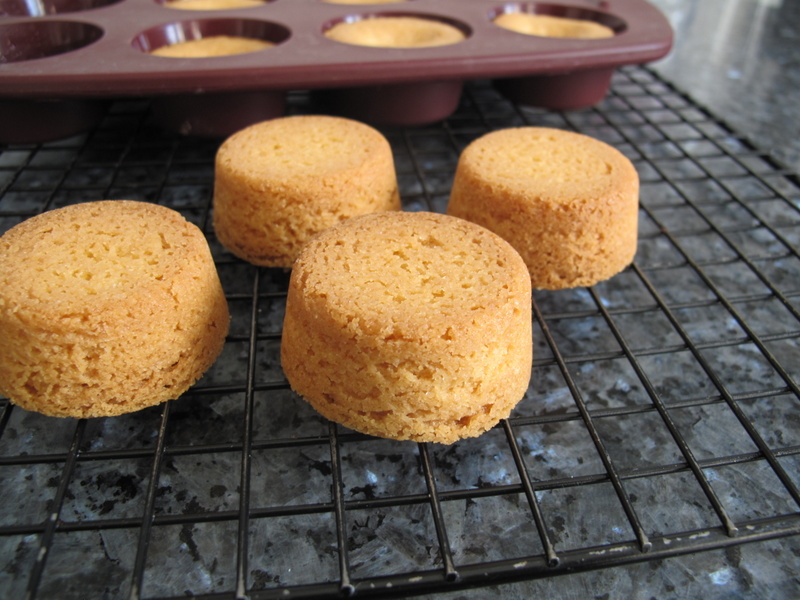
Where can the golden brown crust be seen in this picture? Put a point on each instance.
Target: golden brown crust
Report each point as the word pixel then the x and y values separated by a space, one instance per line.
pixel 364 1
pixel 215 45
pixel 106 308
pixel 212 4
pixel 553 26
pixel 567 202
pixel 280 182
pixel 411 326
pixel 396 32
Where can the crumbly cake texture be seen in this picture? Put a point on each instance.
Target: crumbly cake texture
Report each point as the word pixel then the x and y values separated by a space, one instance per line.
pixel 106 308
pixel 552 26
pixel 567 202
pixel 280 182
pixel 409 326
pixel 214 45
pixel 396 32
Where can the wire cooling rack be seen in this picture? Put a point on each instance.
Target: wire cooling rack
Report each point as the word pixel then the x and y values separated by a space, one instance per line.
pixel 661 417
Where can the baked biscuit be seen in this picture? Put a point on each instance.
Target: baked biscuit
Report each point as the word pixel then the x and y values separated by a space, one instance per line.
pixel 567 202
pixel 106 308
pixel 410 326
pixel 396 32
pixel 280 182
pixel 212 4
pixel 214 45
pixel 552 26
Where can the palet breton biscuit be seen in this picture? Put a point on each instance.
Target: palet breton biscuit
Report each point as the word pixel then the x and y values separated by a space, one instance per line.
pixel 215 45
pixel 396 32
pixel 410 326
pixel 552 26
pixel 212 4
pixel 106 308
pixel 280 182
pixel 567 202
pixel 364 1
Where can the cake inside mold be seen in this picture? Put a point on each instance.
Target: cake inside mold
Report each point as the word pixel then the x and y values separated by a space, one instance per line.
pixel 396 32
pixel 364 1
pixel 212 4
pixel 215 45
pixel 552 26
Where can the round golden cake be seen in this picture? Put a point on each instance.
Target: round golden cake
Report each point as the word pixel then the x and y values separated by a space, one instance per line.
pixel 106 308
pixel 552 26
pixel 396 32
pixel 364 1
pixel 409 326
pixel 280 182
pixel 567 202
pixel 212 4
pixel 214 45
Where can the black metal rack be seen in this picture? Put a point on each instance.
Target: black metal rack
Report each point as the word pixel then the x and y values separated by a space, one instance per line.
pixel 660 419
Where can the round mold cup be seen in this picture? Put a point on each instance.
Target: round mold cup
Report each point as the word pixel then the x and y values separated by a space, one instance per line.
pixel 33 40
pixel 44 8
pixel 573 90
pixel 45 119
pixel 410 103
pixel 215 114
pixel 397 104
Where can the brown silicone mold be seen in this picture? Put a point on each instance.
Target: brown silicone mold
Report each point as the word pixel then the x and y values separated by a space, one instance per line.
pixel 78 52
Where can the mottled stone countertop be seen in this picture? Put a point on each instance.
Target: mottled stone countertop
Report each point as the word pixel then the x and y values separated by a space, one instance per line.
pixel 741 59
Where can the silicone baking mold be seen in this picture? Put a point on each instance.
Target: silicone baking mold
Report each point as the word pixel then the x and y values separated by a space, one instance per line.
pixel 57 67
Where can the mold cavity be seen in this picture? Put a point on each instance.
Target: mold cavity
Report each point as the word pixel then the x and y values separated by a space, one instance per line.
pixel 544 19
pixel 396 30
pixel 210 37
pixel 211 4
pixel 41 8
pixel 27 41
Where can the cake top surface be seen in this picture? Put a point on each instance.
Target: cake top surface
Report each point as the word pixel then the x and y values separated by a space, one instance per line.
pixel 87 254
pixel 408 268
pixel 553 26
pixel 215 45
pixel 301 146
pixel 396 32
pixel 364 1
pixel 212 4
pixel 538 160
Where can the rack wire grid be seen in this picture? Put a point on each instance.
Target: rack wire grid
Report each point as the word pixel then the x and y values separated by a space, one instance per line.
pixel 661 417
